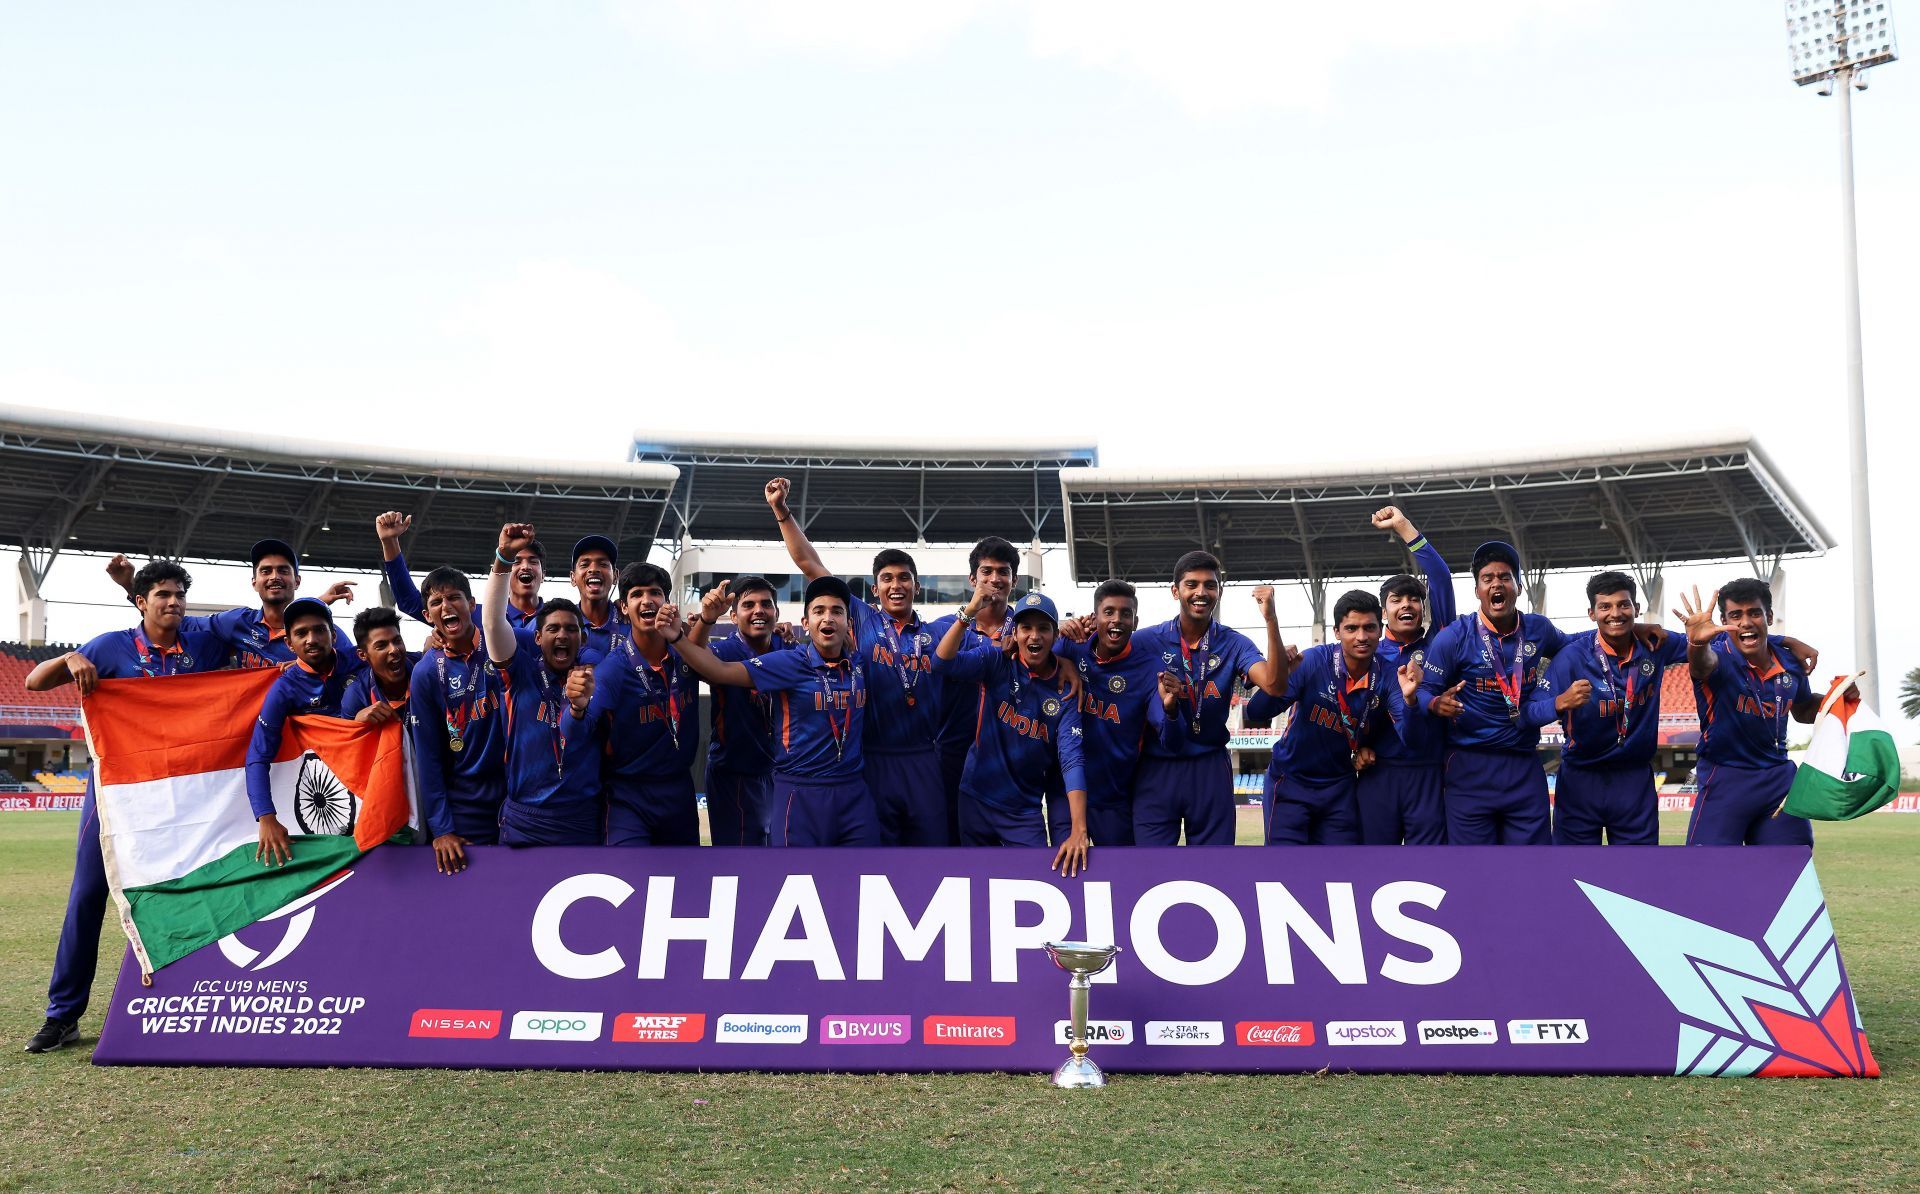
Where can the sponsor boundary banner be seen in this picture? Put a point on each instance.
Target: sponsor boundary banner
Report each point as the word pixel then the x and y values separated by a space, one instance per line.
pixel 1617 960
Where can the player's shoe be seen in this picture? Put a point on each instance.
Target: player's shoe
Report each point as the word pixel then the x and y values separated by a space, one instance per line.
pixel 54 1034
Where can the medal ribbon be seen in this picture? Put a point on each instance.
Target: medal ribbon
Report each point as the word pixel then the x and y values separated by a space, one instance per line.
pixel 1510 685
pixel 1351 726
pixel 1186 669
pixel 909 676
pixel 842 728
pixel 1625 705
pixel 548 702
pixel 1756 685
pixel 646 673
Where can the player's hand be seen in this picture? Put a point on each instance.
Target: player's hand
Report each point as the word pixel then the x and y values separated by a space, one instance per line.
pixel 1263 597
pixel 982 597
pixel 1076 690
pixel 1410 674
pixel 1077 630
pixel 449 854
pixel 339 590
pixel 1364 758
pixel 1447 704
pixel 1071 858
pixel 1577 694
pixel 579 688
pixel 378 713
pixel 1293 656
pixel 1389 518
pixel 1651 635
pixel 714 602
pixel 668 625
pixel 436 643
pixel 274 848
pixel 788 632
pixel 120 571
pixel 391 525
pixel 85 675
pixel 1808 657
pixel 514 538
pixel 1173 690
pixel 1702 629
pixel 776 495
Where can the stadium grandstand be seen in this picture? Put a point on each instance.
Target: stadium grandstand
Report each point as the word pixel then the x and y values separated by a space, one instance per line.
pixel 39 731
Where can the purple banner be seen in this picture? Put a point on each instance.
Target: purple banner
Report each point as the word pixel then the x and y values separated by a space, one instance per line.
pixel 1447 959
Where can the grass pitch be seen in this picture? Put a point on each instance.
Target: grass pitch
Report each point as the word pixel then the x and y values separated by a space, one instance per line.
pixel 65 1124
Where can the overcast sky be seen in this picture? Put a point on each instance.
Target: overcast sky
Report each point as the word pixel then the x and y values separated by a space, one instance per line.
pixel 1202 233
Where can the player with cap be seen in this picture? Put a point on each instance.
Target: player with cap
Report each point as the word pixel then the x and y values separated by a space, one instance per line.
pixel 594 561
pixel 256 637
pixel 1746 684
pixel 900 743
pixel 1029 726
pixel 1346 700
pixel 994 563
pixel 457 724
pixel 1185 781
pixel 1119 710
pixel 651 701
pixel 819 689
pixel 555 734
pixel 1399 797
pixel 379 692
pixel 316 684
pixel 155 648
pixel 740 740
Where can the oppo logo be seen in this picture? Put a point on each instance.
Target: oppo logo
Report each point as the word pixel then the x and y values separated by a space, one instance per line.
pixel 555 1026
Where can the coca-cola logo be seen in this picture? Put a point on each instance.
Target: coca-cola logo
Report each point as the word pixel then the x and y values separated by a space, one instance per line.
pixel 1275 1032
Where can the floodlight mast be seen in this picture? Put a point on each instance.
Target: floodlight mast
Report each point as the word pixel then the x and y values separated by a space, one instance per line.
pixel 1832 42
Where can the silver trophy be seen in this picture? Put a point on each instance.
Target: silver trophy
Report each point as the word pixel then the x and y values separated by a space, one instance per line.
pixel 1082 960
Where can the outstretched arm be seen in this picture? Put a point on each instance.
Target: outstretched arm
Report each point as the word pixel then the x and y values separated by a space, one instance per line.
pixel 1701 631
pixel 705 663
pixel 406 595
pixel 805 558
pixel 494 626
pixel 1270 674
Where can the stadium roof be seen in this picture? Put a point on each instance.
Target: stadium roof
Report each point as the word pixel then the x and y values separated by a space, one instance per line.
pixel 868 491
pixel 71 482
pixel 1645 504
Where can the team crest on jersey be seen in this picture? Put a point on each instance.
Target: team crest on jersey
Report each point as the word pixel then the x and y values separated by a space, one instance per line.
pixel 1419 659
pixel 1532 648
pixel 186 660
pixel 1646 667
pixel 1213 663
pixel 1784 680
pixel 1116 683
pixel 924 639
pixel 1050 707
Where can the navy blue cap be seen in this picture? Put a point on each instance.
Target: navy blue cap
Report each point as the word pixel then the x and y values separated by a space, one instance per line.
pixel 1495 549
pixel 827 586
pixel 304 605
pixel 273 547
pixel 596 543
pixel 1035 603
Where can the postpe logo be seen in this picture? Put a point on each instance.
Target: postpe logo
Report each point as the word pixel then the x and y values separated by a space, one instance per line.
pixel 464 1023
pixel 1099 1032
pixel 298 916
pixel 866 1030
pixel 659 1028
pixel 1457 1032
pixel 555 1026
pixel 1186 1032
pixel 1274 1032
pixel 1547 1032
pixel 753 1028
pixel 967 1030
pixel 1366 1032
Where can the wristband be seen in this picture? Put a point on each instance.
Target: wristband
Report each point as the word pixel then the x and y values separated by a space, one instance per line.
pixel 501 558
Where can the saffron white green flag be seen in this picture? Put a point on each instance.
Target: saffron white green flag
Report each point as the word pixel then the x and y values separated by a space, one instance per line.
pixel 176 832
pixel 1851 767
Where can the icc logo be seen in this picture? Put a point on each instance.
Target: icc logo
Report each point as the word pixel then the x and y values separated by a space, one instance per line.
pixel 298 917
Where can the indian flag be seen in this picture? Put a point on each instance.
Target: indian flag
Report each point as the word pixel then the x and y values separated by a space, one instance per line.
pixel 175 828
pixel 1851 767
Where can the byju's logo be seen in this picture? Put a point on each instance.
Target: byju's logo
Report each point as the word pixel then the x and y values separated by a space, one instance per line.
pixel 1547 1032
pixel 555 1026
pixel 460 1022
pixel 1274 1032
pixel 1366 1032
pixel 1186 1032
pixel 659 1028
pixel 752 1028
pixel 1099 1032
pixel 299 918
pixel 866 1030
pixel 1457 1032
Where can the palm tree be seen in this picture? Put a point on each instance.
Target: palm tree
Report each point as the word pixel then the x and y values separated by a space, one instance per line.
pixel 1910 693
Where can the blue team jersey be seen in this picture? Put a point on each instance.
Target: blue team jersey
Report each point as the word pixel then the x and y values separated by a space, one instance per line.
pixel 1119 712
pixel 127 654
pixel 653 713
pixel 298 691
pixel 364 690
pixel 1619 726
pixel 1334 715
pixel 900 706
pixel 819 711
pixel 1212 666
pixel 740 738
pixel 406 594
pixel 1468 649
pixel 1027 726
pixel 958 702
pixel 250 641
pixel 1420 740
pixel 456 698
pixel 1744 711
pixel 597 642
pixel 553 757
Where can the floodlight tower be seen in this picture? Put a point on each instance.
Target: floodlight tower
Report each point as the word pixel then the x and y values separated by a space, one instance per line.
pixel 1831 42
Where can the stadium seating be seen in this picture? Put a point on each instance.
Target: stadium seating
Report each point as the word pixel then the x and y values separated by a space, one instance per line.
pixel 61 781
pixel 1676 693
pixel 16 660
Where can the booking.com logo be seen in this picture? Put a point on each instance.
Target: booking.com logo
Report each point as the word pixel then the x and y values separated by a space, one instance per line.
pixel 741 1028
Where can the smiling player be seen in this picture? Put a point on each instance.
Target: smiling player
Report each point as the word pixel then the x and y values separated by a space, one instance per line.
pixel 740 742
pixel 651 700
pixel 1399 797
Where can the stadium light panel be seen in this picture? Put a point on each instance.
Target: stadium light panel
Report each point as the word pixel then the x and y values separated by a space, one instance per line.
pixel 1816 48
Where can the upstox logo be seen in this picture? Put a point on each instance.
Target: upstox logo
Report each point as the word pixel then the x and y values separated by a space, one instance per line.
pixel 1547 1032
pixel 1457 1032
pixel 1366 1032
pixel 555 1026
pixel 754 1028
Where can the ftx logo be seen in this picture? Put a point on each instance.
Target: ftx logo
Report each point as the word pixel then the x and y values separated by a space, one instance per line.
pixel 1547 1032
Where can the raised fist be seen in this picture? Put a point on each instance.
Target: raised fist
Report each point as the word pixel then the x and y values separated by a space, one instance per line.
pixel 391 525
pixel 514 537
pixel 776 494
pixel 579 688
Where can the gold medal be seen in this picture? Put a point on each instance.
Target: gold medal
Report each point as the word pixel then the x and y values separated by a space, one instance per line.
pixel 456 745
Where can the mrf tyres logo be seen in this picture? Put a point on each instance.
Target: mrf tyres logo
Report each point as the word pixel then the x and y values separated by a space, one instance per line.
pixel 1366 1032
pixel 555 1026
pixel 1547 1032
pixel 659 1028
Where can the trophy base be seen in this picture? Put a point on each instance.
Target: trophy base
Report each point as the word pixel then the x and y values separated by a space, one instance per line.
pixel 1079 1073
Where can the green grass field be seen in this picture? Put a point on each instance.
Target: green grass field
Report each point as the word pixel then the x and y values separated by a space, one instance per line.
pixel 69 1125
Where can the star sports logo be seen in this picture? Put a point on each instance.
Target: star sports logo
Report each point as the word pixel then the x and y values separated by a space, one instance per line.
pixel 659 1028
pixel 1186 1032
